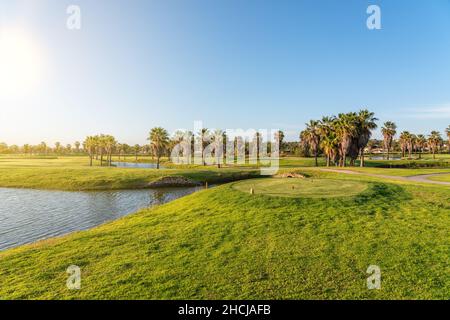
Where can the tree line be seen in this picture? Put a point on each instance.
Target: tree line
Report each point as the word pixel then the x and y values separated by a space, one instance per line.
pixel 348 137
pixel 340 139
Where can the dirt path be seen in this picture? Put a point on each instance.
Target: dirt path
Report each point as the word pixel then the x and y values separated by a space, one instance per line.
pixel 423 178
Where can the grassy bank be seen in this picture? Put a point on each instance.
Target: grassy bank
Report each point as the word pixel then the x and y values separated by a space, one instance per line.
pixel 73 173
pixel 444 177
pixel 225 243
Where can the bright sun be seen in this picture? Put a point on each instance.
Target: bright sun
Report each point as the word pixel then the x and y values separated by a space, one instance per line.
pixel 20 64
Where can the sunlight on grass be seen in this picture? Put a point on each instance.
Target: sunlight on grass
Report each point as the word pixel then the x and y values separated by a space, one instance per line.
pixel 307 188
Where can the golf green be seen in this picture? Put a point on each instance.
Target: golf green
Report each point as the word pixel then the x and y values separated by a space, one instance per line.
pixel 297 187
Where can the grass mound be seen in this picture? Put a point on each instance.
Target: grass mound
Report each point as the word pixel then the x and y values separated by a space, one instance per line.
pixel 307 188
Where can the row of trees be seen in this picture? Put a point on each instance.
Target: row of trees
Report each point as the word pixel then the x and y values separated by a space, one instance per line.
pixel 339 138
pixel 347 136
pixel 102 147
pixel 42 148
pixel 411 143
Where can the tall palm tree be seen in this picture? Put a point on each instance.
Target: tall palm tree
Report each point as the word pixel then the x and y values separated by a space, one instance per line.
pixel 77 146
pixel 27 149
pixel 57 147
pixel 90 145
pixel 365 124
pixel 311 135
pixel 109 145
pixel 136 148
pixel 280 137
pixel 217 140
pixel 403 141
pixel 205 138
pixel 447 131
pixel 43 147
pixel 329 141
pixel 421 141
pixel 389 131
pixel 100 146
pixel 159 139
pixel 346 130
pixel 433 142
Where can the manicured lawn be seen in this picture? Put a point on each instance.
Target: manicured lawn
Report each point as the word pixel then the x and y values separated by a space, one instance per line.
pixel 395 172
pixel 444 177
pixel 73 173
pixel 294 238
pixel 303 188
pixel 225 243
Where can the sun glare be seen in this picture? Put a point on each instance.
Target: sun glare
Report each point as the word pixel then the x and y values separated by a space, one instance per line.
pixel 20 64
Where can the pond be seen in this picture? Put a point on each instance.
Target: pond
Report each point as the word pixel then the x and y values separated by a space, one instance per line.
pixel 385 158
pixel 28 215
pixel 137 165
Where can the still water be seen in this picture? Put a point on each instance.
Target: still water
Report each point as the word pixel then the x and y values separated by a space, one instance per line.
pixel 137 165
pixel 385 158
pixel 28 215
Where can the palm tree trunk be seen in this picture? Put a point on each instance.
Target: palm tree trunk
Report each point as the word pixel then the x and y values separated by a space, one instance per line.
pixel 362 158
pixel 157 162
pixel 315 159
pixel 90 160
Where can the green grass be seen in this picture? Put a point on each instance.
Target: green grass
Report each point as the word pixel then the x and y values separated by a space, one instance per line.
pixel 223 243
pixel 313 241
pixel 394 172
pixel 305 188
pixel 444 177
pixel 73 173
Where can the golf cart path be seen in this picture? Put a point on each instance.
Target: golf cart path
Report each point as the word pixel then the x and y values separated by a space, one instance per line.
pixel 418 178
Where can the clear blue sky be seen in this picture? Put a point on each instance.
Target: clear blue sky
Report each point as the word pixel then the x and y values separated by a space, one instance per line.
pixel 230 63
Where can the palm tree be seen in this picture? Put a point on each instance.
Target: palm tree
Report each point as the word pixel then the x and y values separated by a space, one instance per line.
pixel 389 131
pixel 433 142
pixel 77 146
pixel 101 145
pixel 311 136
pixel 42 147
pixel 27 149
pixel 346 130
pixel 218 141
pixel 365 125
pixel 89 145
pixel 109 144
pixel 329 141
pixel 57 147
pixel 204 137
pixel 136 148
pixel 280 137
pixel 159 139
pixel 403 141
pixel 447 131
pixel 421 141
